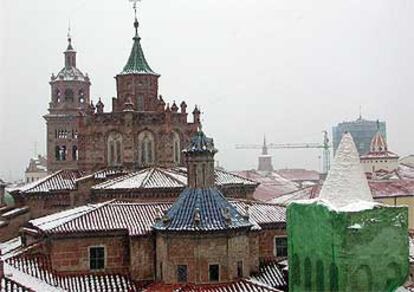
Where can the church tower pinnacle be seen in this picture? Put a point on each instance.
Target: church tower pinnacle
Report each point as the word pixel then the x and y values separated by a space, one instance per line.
pixel 70 90
pixel 137 81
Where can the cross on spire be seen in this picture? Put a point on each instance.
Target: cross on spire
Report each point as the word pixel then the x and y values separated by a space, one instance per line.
pixel 136 24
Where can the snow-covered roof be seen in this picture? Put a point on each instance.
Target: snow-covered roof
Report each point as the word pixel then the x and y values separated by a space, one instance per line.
pixel 70 74
pixel 271 274
pixel 163 178
pixel 62 180
pixel 346 182
pixel 9 285
pixel 203 209
pixel 298 174
pixel 245 285
pixel 36 272
pixel 271 185
pixel 137 218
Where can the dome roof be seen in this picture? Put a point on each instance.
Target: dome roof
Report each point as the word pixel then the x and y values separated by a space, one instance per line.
pixel 200 143
pixel 202 210
pixel 70 74
pixel 378 143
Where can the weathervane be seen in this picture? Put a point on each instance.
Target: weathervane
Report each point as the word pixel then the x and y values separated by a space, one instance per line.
pixel 135 12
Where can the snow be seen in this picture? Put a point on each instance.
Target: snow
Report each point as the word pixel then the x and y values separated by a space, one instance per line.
pixel 15 211
pixel 355 226
pixel 10 245
pixel 346 182
pixel 50 221
pixel 27 280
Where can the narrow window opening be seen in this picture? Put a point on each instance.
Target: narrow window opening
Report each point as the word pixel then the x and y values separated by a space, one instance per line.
pixel 97 258
pixel 182 273
pixel 240 269
pixel 214 273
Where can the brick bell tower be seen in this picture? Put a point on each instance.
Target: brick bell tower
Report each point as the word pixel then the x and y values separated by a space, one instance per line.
pixel 137 84
pixel 69 100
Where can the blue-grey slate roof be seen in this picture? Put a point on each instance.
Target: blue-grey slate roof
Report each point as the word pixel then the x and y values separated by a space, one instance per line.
pixel 212 207
pixel 200 143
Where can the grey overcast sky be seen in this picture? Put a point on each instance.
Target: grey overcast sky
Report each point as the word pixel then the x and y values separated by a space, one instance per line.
pixel 287 68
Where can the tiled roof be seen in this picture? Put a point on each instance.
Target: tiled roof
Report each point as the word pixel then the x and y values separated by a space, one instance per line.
pixel 9 285
pixel 61 180
pixel 137 64
pixel 39 267
pixel 202 210
pixel 160 178
pixel 241 285
pixel 379 189
pixel 302 194
pixel 136 218
pixel 109 172
pixel 271 185
pixel 271 275
pixel 262 213
pixel 298 174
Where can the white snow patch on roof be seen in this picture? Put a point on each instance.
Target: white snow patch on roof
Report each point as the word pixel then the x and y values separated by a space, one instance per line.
pixel 27 280
pixel 346 182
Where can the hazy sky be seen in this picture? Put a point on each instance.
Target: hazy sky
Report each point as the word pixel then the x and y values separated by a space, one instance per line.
pixel 287 68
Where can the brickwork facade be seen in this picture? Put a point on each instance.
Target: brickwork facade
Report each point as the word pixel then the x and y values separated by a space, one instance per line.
pixel 71 255
pixel 140 131
pixel 198 251
pixel 267 242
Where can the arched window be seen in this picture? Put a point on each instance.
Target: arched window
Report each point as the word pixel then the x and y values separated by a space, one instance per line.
pixel 146 149
pixel 81 96
pixel 57 95
pixel 75 152
pixel 69 95
pixel 176 148
pixel 114 149
pixel 57 153
pixel 140 103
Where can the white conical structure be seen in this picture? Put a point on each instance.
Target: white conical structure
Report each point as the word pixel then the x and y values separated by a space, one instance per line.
pixel 346 182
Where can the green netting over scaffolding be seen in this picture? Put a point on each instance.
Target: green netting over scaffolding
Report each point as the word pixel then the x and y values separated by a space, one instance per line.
pixel 331 250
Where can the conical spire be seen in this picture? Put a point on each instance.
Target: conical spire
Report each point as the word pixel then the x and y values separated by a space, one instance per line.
pixel 69 36
pixel 346 182
pixel 264 148
pixel 137 64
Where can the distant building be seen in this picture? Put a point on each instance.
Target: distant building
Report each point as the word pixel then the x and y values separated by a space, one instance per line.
pixel 265 160
pixel 361 130
pixel 36 169
pixel 379 158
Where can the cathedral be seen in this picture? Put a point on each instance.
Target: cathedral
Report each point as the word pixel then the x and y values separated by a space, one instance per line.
pixel 140 131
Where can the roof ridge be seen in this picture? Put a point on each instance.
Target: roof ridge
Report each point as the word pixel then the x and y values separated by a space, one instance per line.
pixel 150 170
pixel 38 182
pixel 115 180
pixel 237 175
pixel 165 171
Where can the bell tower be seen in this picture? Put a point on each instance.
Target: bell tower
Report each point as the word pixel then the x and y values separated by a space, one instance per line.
pixel 137 83
pixel 69 98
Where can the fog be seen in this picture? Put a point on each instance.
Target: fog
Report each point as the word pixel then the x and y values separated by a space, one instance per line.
pixel 287 69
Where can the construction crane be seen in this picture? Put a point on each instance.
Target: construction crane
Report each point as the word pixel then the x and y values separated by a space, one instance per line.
pixel 324 145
